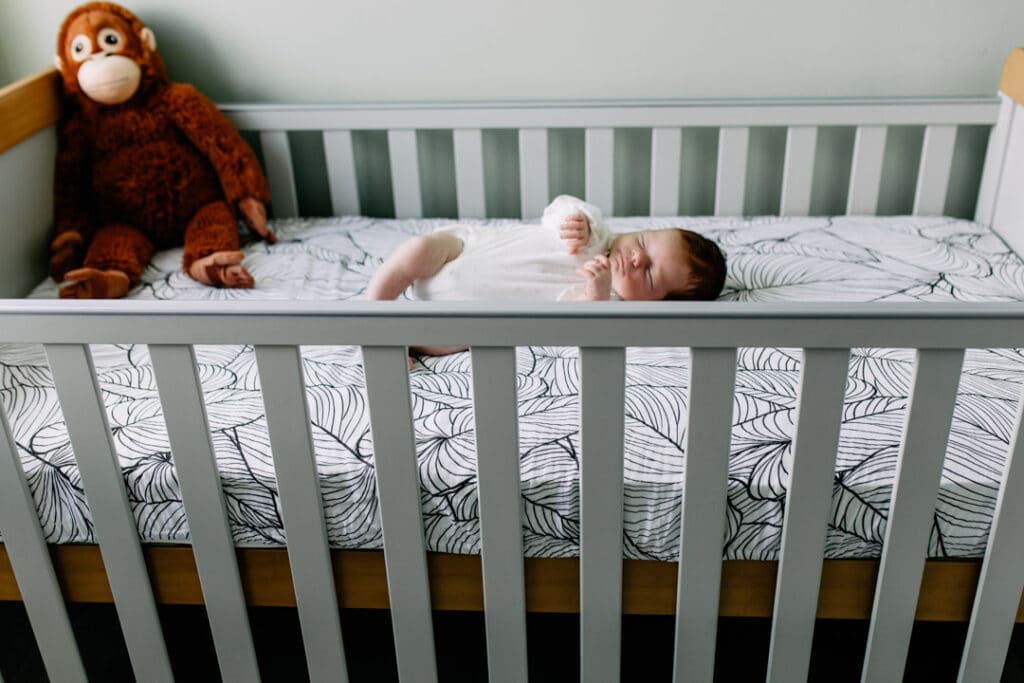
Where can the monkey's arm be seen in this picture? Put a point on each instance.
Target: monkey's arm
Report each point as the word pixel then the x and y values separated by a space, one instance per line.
pixel 210 131
pixel 72 208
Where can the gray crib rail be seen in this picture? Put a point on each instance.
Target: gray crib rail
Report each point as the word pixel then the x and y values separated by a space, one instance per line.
pixel 712 331
pixel 667 122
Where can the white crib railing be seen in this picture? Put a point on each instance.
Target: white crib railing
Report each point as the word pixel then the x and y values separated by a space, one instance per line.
pixel 939 333
pixel 667 123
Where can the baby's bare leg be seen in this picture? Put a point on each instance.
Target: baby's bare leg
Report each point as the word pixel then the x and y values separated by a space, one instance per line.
pixel 436 350
pixel 414 259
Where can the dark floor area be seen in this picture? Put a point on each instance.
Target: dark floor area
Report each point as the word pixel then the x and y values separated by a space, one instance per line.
pixel 553 643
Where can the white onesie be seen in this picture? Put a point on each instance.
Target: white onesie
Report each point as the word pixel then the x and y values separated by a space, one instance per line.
pixel 517 262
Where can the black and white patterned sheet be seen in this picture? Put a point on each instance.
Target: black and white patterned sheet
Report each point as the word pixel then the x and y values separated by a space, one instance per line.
pixel 770 259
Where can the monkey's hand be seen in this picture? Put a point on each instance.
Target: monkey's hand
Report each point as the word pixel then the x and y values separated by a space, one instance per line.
pixel 65 254
pixel 90 283
pixel 255 215
pixel 222 269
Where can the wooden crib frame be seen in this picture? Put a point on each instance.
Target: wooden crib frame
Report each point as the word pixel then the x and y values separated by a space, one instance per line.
pixel 600 585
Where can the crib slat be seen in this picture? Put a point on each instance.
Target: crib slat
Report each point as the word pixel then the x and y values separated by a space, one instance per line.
pixel 398 494
pixel 341 172
pixel 291 444
pixel 501 514
pixel 602 418
pixel 600 172
pixel 934 169
pixel 88 428
pixel 731 178
pixel 798 170
pixel 1001 583
pixel 666 151
pixel 708 431
pixel 533 171
pixel 277 157
pixel 30 560
pixel 181 396
pixel 469 172
pixel 405 173
pixel 819 414
pixel 936 375
pixel 866 170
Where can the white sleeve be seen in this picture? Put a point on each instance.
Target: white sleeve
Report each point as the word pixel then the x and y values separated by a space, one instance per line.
pixel 566 205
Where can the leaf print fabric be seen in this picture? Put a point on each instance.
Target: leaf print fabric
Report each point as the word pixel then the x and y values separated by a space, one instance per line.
pixel 770 259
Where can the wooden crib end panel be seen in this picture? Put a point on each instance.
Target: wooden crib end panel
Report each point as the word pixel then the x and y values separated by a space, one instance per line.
pixel 28 106
pixel 1012 82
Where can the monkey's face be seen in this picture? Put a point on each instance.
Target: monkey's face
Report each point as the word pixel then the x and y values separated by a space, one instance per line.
pixel 104 56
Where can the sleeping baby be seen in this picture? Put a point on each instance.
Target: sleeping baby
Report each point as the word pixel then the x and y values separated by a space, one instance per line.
pixel 570 256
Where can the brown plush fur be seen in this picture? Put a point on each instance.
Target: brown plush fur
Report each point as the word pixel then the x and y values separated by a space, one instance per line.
pixel 163 169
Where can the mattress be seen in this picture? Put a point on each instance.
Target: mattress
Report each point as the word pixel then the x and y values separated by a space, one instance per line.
pixel 770 259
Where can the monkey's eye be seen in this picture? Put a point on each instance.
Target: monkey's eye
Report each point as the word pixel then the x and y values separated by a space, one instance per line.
pixel 81 47
pixel 110 40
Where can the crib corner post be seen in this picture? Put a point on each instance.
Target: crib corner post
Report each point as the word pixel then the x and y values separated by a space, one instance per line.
pixel 1000 203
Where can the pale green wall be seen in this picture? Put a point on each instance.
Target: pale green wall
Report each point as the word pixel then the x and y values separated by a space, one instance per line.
pixel 315 50
pixel 391 50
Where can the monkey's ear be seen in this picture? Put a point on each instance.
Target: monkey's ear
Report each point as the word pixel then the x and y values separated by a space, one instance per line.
pixel 148 39
pixel 59 63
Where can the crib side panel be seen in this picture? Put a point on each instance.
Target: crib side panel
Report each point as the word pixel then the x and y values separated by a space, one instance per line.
pixel 1008 169
pixel 26 198
pixel 29 110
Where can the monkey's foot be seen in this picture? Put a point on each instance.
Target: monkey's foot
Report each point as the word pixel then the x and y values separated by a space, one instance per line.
pixel 222 269
pixel 91 283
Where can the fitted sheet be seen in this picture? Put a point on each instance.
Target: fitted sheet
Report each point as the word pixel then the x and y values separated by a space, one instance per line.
pixel 770 259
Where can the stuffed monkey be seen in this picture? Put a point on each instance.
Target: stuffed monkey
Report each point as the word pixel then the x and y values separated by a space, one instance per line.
pixel 143 164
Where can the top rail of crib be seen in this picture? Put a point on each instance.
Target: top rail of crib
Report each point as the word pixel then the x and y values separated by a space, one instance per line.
pixel 610 324
pixel 618 113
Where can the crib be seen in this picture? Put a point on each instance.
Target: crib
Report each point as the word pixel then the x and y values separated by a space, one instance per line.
pixel 893 591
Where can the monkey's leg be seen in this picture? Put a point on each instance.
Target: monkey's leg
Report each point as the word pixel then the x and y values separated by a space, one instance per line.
pixel 113 264
pixel 211 248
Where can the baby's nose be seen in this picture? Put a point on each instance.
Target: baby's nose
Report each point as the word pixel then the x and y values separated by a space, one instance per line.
pixel 638 258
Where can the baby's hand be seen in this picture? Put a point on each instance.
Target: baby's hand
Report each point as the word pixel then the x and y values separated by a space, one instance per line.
pixel 599 278
pixel 575 231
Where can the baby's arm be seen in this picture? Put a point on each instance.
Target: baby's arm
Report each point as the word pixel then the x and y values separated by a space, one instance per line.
pixel 577 223
pixel 414 259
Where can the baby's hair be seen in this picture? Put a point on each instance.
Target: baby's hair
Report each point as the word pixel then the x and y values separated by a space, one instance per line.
pixel 707 269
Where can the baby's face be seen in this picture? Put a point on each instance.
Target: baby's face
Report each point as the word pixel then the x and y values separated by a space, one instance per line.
pixel 648 265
